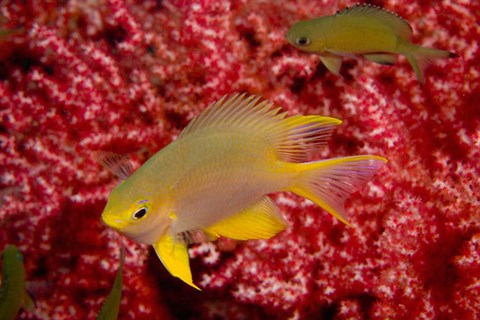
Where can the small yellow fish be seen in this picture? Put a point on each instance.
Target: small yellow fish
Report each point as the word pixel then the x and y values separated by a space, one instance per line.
pixel 372 32
pixel 214 180
pixel 13 294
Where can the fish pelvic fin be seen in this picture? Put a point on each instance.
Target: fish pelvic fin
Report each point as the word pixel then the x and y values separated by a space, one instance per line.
pixel 174 256
pixel 332 62
pixel 328 183
pixel 421 57
pixel 262 220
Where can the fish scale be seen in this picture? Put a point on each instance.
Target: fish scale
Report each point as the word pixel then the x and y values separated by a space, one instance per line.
pixel 227 169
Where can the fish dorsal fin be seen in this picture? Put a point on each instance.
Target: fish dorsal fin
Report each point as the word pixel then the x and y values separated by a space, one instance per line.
pixel 237 110
pixel 174 256
pixel 117 164
pixel 299 136
pixel 293 138
pixel 391 19
pixel 259 221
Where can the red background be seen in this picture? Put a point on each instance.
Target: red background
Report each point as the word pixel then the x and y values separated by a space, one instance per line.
pixel 127 76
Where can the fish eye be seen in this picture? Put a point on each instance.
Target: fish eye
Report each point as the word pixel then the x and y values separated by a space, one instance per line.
pixel 140 213
pixel 302 41
pixel 19 256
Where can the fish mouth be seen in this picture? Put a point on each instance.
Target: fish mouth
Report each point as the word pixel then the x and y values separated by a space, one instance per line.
pixel 112 222
pixel 289 38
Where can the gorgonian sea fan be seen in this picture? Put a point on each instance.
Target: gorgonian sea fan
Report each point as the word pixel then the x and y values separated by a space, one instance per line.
pixel 127 76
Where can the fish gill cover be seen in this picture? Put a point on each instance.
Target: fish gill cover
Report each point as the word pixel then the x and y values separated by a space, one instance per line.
pixel 127 76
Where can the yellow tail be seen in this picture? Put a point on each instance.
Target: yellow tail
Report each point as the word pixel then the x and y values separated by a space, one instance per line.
pixel 329 183
pixel 421 57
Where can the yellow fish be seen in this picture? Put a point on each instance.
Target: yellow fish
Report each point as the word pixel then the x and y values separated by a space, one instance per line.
pixel 13 294
pixel 214 179
pixel 372 32
pixel 111 306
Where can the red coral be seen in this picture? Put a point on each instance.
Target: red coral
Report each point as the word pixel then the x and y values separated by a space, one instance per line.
pixel 127 76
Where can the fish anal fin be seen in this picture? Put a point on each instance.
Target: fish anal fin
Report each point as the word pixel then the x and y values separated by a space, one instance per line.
pixel 174 256
pixel 332 63
pixel 260 221
pixel 390 19
pixel 117 164
pixel 382 58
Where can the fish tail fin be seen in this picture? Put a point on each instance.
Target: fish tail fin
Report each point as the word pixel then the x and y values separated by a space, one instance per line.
pixel 328 183
pixel 421 57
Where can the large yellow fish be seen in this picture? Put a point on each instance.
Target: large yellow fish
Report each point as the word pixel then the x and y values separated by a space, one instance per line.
pixel 372 32
pixel 214 180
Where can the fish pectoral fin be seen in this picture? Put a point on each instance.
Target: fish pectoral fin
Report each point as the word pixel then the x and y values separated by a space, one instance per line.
pixel 332 63
pixel 259 221
pixel 174 256
pixel 382 58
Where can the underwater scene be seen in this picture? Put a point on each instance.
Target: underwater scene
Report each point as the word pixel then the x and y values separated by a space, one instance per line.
pixel 172 159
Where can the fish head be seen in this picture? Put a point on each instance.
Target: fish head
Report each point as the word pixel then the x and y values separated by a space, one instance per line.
pixel 137 213
pixel 306 36
pixel 11 253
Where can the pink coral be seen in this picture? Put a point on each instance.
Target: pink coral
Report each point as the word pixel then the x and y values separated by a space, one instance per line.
pixel 127 76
